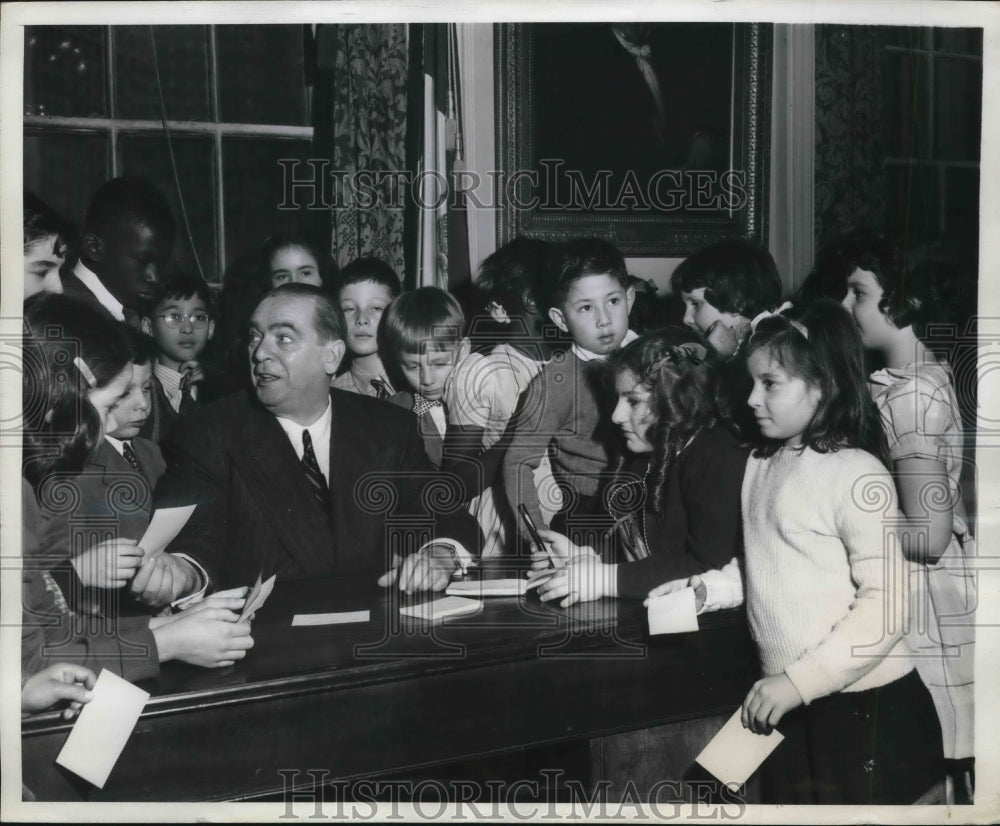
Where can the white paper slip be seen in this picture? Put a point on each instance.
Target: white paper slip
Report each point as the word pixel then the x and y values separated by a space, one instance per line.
pixel 257 596
pixel 673 613
pixel 103 728
pixel 164 527
pixel 487 588
pixel 735 752
pixel 341 618
pixel 441 608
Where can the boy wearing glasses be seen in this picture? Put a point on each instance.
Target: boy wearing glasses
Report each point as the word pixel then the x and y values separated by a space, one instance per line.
pixel 181 320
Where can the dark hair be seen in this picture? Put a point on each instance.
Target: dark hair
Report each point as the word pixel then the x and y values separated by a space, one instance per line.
pixel 920 281
pixel 41 222
pixel 738 277
pixel 583 257
pixel 327 318
pixel 179 287
pixel 296 237
pixel 829 357
pixel 680 374
pixel 370 269
pixel 130 200
pixel 514 274
pixel 144 349
pixel 60 334
pixel 418 317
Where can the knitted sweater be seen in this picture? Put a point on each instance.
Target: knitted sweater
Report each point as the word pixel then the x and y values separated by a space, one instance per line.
pixel 826 586
pixel 566 411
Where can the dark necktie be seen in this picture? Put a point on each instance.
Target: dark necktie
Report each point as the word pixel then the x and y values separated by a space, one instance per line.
pixel 187 400
pixel 315 476
pixel 381 386
pixel 130 457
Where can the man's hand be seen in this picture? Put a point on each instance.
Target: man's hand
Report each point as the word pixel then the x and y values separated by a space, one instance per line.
pixel 109 564
pixel 161 579
pixel 430 569
pixel 768 701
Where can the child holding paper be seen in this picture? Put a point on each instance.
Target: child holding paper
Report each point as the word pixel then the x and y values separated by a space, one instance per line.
pixel 675 499
pixel 826 583
pixel 81 369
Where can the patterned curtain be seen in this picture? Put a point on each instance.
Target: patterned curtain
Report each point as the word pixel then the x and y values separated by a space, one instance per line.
pixel 850 110
pixel 360 126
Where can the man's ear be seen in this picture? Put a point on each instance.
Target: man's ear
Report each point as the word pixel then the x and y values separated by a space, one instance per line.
pixel 464 348
pixel 50 414
pixel 92 247
pixel 211 328
pixel 630 297
pixel 557 317
pixel 146 325
pixel 528 300
pixel 334 355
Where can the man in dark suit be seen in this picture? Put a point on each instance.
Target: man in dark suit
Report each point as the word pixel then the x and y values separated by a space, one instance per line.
pixel 128 233
pixel 302 480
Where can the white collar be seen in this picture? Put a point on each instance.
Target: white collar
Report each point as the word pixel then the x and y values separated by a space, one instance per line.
pixel 93 283
pixel 321 424
pixel 117 444
pixel 587 355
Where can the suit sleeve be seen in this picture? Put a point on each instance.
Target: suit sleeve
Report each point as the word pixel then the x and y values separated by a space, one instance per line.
pixel 711 480
pixel 197 475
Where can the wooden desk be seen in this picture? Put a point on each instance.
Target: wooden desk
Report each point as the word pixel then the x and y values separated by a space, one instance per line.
pixel 369 700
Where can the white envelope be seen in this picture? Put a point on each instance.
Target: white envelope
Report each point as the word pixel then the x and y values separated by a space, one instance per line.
pixel 103 728
pixel 163 528
pixel 673 613
pixel 341 618
pixel 735 752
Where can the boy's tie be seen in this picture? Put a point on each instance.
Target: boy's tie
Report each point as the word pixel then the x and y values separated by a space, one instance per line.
pixel 381 388
pixel 187 400
pixel 130 456
pixel 315 476
pixel 421 405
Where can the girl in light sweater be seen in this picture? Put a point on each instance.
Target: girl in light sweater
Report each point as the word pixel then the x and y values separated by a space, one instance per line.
pixel 826 584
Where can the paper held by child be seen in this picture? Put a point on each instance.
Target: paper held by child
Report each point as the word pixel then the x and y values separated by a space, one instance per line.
pixel 442 608
pixel 735 753
pixel 258 596
pixel 673 613
pixel 103 728
pixel 488 588
pixel 164 526
pixel 338 618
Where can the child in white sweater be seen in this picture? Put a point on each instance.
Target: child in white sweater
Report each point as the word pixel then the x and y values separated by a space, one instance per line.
pixel 826 584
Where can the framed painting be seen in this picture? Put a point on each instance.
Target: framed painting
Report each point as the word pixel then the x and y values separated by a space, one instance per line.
pixel 652 135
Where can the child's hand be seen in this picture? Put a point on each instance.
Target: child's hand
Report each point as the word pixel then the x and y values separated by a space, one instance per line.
pixel 192 373
pixel 583 579
pixel 696 582
pixel 62 681
pixel 563 549
pixel 161 579
pixel 768 701
pixel 211 638
pixel 110 564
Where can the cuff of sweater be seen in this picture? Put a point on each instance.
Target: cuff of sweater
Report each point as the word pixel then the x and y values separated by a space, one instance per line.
pixel 809 679
pixel 137 637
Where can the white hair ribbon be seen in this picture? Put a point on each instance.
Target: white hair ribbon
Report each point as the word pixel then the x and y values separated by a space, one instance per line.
pixel 798 325
pixel 86 372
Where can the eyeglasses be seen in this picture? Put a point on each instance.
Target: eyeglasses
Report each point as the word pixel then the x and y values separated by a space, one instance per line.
pixel 199 319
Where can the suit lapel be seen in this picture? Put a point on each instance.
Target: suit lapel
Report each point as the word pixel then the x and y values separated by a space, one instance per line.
pixel 277 482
